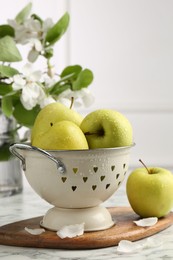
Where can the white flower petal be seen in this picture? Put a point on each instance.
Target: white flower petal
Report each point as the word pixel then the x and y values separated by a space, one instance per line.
pixel 32 93
pixel 88 99
pixel 146 222
pixel 38 45
pixel 35 231
pixel 71 231
pixel 126 246
pixel 64 101
pixel 68 93
pixel 35 76
pixel 30 74
pixel 48 81
pixel 29 104
pixel 19 82
pixel 47 24
pixel 81 97
pixel 27 69
pixel 46 101
pixel 18 79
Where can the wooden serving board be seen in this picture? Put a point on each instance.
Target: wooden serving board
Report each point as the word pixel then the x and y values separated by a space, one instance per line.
pixel 14 234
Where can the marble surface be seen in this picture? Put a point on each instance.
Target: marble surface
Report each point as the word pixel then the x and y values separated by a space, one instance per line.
pixel 28 204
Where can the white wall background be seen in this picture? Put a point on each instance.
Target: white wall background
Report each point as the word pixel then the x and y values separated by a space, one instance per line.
pixel 128 44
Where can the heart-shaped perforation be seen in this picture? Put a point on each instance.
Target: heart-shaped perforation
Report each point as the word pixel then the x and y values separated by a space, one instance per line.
pixel 102 177
pixel 95 168
pixel 85 179
pixel 64 179
pixel 94 187
pixel 113 168
pixel 117 175
pixel 74 188
pixel 107 185
pixel 75 170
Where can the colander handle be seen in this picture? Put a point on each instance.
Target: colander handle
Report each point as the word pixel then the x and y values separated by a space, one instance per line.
pixel 13 149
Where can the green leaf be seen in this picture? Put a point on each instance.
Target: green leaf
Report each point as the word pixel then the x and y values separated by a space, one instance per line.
pixel 84 79
pixel 5 88
pixel 58 89
pixel 23 14
pixel 6 71
pixel 7 105
pixel 5 30
pixel 73 70
pixel 8 50
pixel 25 117
pixel 56 32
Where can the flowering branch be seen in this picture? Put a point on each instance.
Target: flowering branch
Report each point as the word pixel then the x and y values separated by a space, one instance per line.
pixel 24 92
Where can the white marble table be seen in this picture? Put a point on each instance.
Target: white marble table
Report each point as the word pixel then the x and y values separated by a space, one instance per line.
pixel 28 205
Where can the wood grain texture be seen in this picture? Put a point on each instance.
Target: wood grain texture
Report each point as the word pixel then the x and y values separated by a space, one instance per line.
pixel 14 234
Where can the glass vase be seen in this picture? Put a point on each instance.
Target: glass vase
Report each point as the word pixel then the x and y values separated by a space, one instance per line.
pixel 10 169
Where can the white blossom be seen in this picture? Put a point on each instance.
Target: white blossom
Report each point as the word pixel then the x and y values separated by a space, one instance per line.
pixel 28 82
pixel 25 32
pixel 19 82
pixel 49 81
pixel 81 97
pixel 31 32
pixel 46 100
pixel 36 48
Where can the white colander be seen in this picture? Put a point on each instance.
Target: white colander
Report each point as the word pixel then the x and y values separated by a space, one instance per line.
pixel 75 182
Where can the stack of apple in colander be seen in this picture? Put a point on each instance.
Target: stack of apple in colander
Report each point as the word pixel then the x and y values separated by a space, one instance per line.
pixel 149 189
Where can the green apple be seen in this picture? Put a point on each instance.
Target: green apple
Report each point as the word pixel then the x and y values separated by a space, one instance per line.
pixel 63 135
pixel 52 114
pixel 150 191
pixel 106 128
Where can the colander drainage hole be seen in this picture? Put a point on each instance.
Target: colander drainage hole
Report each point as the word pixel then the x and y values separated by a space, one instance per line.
pixel 85 179
pixel 74 188
pixel 107 186
pixel 117 175
pixel 119 183
pixel 102 177
pixel 64 179
pixel 75 170
pixel 112 167
pixel 124 165
pixel 94 187
pixel 95 169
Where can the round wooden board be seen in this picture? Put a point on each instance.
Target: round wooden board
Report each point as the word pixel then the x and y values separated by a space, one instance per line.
pixel 14 234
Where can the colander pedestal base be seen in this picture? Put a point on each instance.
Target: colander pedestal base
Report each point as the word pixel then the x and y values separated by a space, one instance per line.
pixel 95 218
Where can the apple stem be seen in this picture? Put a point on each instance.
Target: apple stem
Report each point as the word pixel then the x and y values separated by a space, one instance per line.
pixel 88 133
pixel 72 102
pixel 145 166
pixel 98 133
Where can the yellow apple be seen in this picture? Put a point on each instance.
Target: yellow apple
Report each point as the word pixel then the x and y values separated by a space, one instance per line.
pixel 150 191
pixel 106 128
pixel 52 114
pixel 63 135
